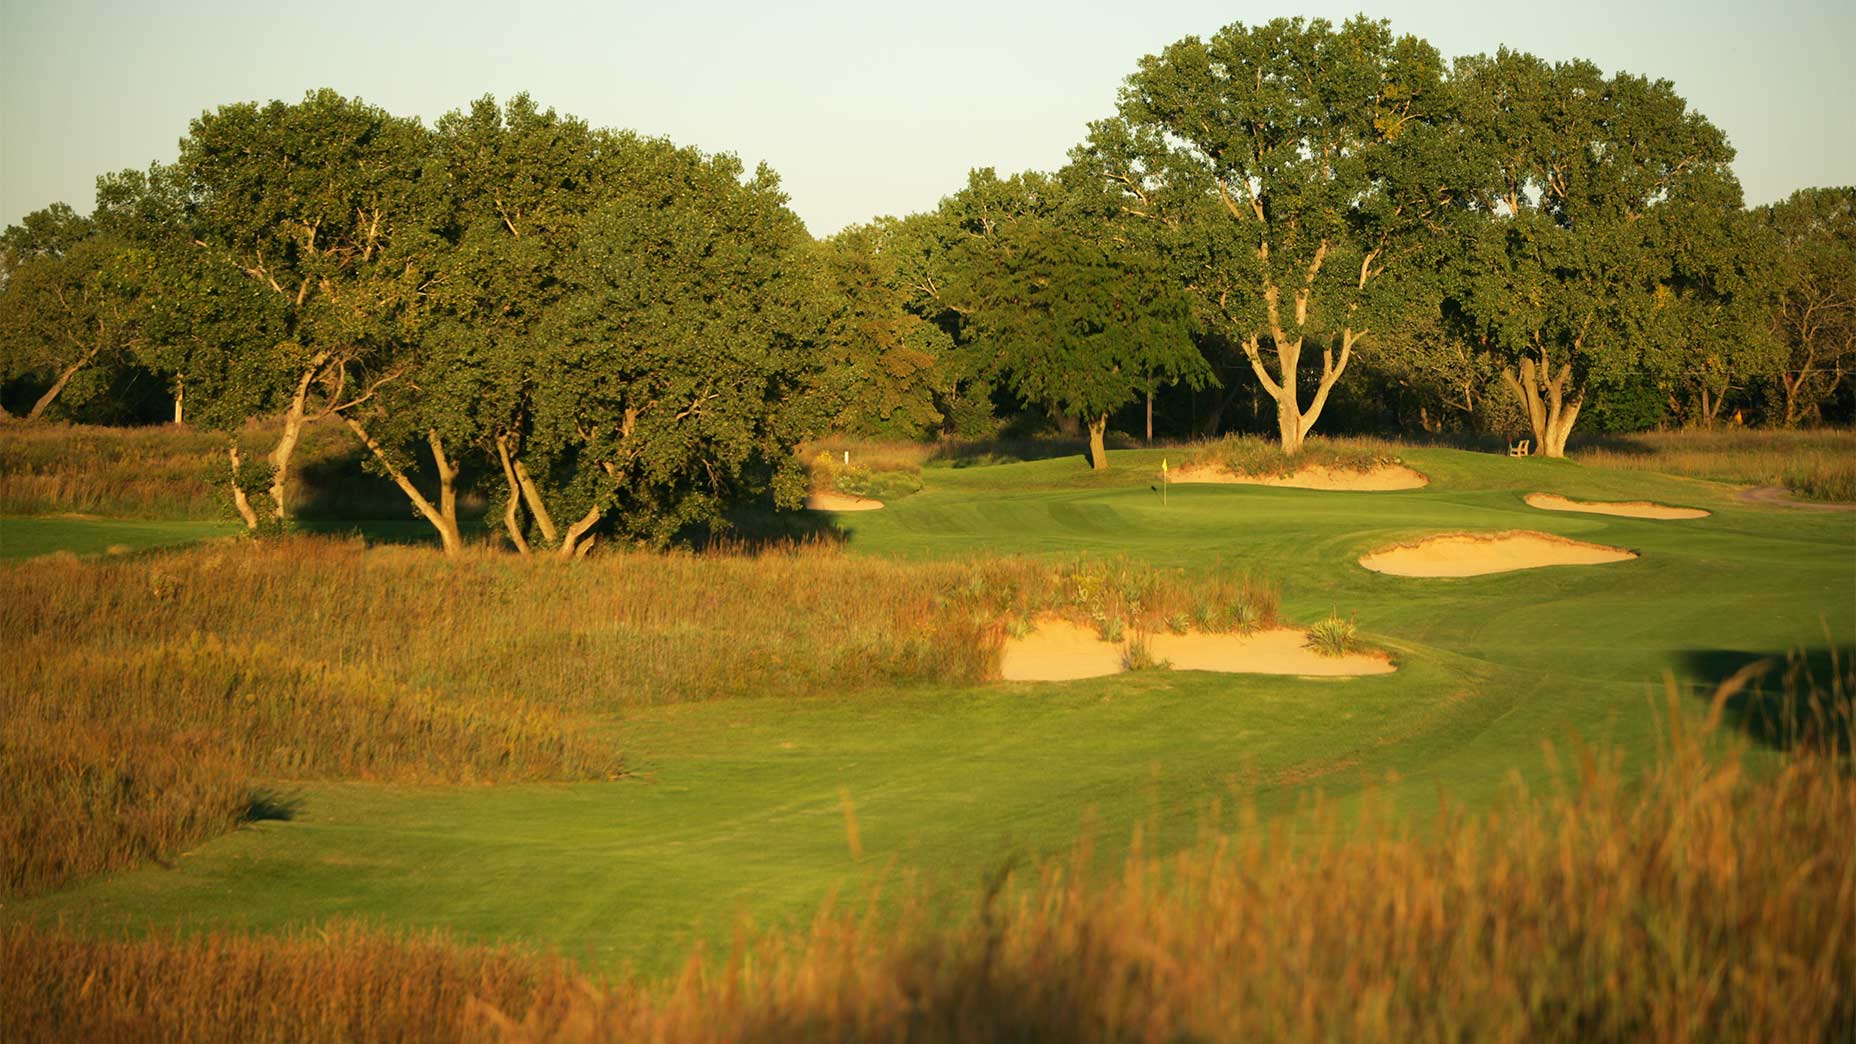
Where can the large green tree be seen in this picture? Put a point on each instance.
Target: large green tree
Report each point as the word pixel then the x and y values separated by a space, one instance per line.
pixel 1290 166
pixel 67 307
pixel 322 207
pixel 1067 316
pixel 884 360
pixel 1814 318
pixel 1590 189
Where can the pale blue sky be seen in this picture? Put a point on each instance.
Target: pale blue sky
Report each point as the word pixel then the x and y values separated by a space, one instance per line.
pixel 864 108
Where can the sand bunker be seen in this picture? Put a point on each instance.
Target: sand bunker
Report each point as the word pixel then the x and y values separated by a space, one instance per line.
pixel 1391 476
pixel 1628 509
pixel 1058 650
pixel 1473 554
pixel 829 501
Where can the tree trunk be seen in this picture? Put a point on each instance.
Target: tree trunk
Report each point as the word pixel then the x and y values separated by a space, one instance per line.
pixel 1150 416
pixel 293 433
pixel 180 393
pixel 531 494
pixel 512 509
pixel 1551 417
pixel 58 385
pixel 443 517
pixel 1292 422
pixel 1067 426
pixel 571 545
pixel 1098 447
pixel 239 499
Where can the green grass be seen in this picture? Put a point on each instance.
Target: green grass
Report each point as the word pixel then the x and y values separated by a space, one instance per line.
pixel 29 537
pixel 736 806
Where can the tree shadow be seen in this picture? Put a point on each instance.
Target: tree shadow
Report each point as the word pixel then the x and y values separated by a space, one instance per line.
pixel 761 527
pixel 1805 698
pixel 1008 449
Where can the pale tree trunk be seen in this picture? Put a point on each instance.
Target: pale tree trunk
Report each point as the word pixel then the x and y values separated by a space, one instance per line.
pixel 180 394
pixel 292 434
pixel 1150 416
pixel 1293 423
pixel 444 515
pixel 239 499
pixel 531 494
pixel 577 541
pixel 512 510
pixel 1098 446
pixel 51 394
pixel 1551 416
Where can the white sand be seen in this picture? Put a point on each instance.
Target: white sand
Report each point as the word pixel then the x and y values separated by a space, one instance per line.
pixel 829 501
pixel 1474 554
pixel 1058 650
pixel 1391 476
pixel 1627 509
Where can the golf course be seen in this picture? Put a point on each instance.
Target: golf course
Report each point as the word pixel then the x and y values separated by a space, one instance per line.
pixel 756 809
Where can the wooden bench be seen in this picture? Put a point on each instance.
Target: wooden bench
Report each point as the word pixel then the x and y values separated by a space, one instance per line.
pixel 1519 449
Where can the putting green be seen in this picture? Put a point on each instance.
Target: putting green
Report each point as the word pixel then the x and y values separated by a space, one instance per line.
pixel 741 807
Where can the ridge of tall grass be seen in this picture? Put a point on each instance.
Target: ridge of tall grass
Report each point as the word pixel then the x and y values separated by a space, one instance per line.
pixel 1818 464
pixel 1704 900
pixel 147 697
pixel 1255 455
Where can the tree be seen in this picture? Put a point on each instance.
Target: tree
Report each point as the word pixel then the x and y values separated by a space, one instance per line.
pixel 884 360
pixel 518 183
pixel 1582 178
pixel 1289 165
pixel 1072 321
pixel 66 311
pixel 687 339
pixel 1815 316
pixel 321 206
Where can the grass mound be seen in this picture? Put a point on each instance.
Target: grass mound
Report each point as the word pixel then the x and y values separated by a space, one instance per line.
pixel 1817 465
pixel 1257 457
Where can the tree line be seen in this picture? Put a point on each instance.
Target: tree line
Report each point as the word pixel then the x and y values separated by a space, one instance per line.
pixel 1305 219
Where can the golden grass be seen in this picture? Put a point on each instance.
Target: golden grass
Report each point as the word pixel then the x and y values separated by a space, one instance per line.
pixel 1704 901
pixel 1254 455
pixel 146 697
pixel 159 473
pixel 1819 464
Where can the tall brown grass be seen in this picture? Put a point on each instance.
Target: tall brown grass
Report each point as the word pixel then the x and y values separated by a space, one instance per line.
pixel 161 473
pixel 1706 900
pixel 146 697
pixel 1257 455
pixel 1819 464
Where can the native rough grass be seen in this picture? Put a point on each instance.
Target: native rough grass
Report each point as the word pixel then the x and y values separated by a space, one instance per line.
pixel 1707 900
pixel 149 697
pixel 1818 465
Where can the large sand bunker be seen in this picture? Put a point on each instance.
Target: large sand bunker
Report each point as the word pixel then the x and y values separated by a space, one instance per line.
pixel 1386 477
pixel 829 501
pixel 1058 650
pixel 1473 554
pixel 1627 509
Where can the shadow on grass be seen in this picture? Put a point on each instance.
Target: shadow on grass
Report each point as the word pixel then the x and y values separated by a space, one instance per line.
pixel 978 453
pixel 265 803
pixel 1802 698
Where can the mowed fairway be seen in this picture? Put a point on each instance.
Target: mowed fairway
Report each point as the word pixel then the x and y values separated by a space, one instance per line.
pixel 745 807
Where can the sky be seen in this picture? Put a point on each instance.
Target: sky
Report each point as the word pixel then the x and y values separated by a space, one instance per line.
pixel 864 108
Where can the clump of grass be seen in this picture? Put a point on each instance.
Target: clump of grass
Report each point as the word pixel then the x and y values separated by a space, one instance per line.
pixel 883 471
pixel 1334 636
pixel 1610 905
pixel 1819 464
pixel 1254 456
pixel 1138 654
